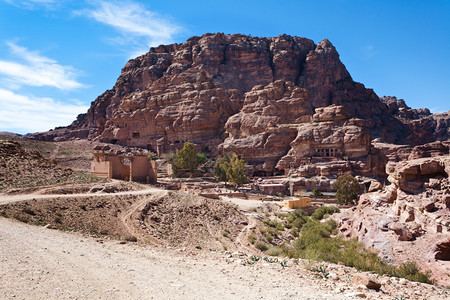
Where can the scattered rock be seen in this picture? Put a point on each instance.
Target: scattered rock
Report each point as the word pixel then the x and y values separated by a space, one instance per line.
pixel 362 279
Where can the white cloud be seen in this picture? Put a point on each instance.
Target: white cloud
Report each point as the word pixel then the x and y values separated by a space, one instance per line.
pixel 25 114
pixel 37 70
pixel 137 25
pixel 34 4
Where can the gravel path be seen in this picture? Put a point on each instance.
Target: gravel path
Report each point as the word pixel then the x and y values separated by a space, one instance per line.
pixel 5 199
pixel 40 263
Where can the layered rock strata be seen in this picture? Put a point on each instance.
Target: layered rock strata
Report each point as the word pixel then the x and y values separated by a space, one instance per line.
pixel 204 89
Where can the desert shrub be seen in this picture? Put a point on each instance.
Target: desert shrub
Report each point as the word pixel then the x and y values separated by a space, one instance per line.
pixel 324 210
pixel 409 270
pixel 131 238
pixel 269 237
pixel 225 234
pixel 280 227
pixel 297 219
pixel 274 251
pixel 347 189
pixel 252 239
pixel 315 243
pixel 260 245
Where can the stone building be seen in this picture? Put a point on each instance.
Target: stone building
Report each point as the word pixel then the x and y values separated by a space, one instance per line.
pixel 128 166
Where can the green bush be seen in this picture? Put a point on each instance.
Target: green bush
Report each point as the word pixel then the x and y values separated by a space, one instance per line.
pixel 252 239
pixel 316 192
pixel 274 251
pixel 323 210
pixel 260 245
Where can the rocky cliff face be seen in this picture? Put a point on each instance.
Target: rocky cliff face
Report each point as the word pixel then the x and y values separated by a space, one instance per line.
pixel 268 99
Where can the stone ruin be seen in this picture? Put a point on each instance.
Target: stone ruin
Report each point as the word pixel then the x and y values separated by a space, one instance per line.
pixel 129 165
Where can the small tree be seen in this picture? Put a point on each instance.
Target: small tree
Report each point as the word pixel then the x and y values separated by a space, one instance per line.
pixel 316 192
pixel 187 158
pixel 230 168
pixel 347 189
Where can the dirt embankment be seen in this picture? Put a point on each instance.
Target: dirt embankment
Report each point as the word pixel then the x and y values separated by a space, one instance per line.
pixel 173 219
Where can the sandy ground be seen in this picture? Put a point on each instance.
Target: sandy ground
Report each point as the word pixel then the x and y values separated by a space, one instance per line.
pixel 40 263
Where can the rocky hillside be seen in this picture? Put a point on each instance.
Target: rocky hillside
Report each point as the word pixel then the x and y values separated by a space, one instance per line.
pixel 275 96
pixel 23 169
pixel 408 219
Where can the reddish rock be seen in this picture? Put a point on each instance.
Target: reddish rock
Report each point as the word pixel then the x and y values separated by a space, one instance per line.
pixel 446 200
pixel 188 92
pixel 441 250
pixel 410 176
pixel 362 279
pixel 374 186
pixel 402 231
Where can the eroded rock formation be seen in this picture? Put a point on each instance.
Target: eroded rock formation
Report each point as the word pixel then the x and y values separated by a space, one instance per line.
pixel 272 100
pixel 408 218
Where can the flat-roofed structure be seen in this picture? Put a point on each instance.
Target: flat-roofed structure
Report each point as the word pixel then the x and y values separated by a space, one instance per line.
pixel 128 166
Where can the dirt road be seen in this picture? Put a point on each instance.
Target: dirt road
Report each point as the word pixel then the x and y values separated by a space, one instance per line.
pixel 40 263
pixel 5 199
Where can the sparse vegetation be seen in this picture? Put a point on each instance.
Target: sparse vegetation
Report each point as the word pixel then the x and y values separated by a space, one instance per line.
pixel 252 239
pixel 260 245
pixel 317 241
pixel 347 189
pixel 131 238
pixel 321 212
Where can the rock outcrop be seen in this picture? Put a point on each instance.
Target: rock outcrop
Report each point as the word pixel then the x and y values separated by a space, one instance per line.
pixel 412 208
pixel 210 87
pixel 267 124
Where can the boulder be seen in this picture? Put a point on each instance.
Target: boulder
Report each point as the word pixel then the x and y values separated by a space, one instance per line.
pixel 440 250
pixel 375 186
pixel 402 231
pixel 365 280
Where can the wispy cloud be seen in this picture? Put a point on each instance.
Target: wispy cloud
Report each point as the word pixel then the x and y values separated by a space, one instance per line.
pixel 37 70
pixel 34 4
pixel 138 26
pixel 369 51
pixel 36 114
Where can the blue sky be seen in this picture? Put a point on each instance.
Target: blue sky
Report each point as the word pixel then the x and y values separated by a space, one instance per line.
pixel 56 56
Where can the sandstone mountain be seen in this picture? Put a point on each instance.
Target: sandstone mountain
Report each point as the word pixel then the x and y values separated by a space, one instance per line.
pixel 278 102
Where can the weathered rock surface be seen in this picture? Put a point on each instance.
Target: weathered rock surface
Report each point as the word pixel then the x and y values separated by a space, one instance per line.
pixel 412 208
pixel 362 279
pixel 441 250
pixel 332 135
pixel 267 123
pixel 196 91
